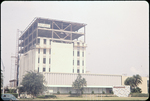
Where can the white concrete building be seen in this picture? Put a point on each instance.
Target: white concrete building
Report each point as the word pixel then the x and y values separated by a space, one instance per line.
pixel 52 47
pixel 49 45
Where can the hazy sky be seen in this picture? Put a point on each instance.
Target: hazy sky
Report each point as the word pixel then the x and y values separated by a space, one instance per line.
pixel 117 32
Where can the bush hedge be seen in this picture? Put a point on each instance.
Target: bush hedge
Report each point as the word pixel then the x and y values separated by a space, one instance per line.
pixel 58 92
pixel 139 95
pixel 92 92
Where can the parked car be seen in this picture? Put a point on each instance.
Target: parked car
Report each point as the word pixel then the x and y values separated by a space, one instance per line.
pixel 8 97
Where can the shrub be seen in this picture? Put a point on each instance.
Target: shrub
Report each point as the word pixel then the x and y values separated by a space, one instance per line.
pixel 103 92
pixel 81 92
pixel 70 92
pixel 136 90
pixel 139 95
pixel 92 92
pixel 58 92
pixel 112 92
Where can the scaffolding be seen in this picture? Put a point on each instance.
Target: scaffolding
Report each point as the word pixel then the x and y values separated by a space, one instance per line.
pixel 15 63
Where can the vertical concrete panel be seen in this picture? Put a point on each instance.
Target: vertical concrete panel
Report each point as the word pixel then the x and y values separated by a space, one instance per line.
pixel 61 57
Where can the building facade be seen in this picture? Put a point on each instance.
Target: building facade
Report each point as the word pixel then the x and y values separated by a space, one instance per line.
pixel 52 47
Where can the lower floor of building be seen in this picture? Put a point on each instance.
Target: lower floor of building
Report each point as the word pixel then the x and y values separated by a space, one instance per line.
pixel 66 90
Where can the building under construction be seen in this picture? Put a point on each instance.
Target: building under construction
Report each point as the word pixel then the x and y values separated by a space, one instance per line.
pixel 52 47
pixel 49 45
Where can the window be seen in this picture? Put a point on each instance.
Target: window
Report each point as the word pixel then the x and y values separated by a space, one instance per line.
pixel 44 41
pixel 49 51
pixel 39 51
pixel 82 71
pixel 82 63
pixel 44 60
pixel 38 60
pixel 38 41
pixel 49 61
pixel 44 69
pixel 78 53
pixel 78 71
pixel 50 42
pixel 38 69
pixel 83 48
pixel 82 54
pixel 73 53
pixel 78 62
pixel 49 69
pixel 73 70
pixel 44 51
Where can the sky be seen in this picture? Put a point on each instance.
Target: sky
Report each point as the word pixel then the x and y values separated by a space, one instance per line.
pixel 117 32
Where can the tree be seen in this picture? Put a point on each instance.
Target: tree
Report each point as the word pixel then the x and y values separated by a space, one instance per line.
pixel 134 81
pixel 32 83
pixel 79 84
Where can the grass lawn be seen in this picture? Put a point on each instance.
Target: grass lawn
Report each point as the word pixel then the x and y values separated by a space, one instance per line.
pixel 65 97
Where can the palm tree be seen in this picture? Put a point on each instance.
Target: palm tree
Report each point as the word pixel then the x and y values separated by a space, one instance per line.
pixel 130 81
pixel 137 79
pixel 134 82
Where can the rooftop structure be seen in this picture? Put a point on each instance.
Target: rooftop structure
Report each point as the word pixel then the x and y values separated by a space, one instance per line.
pixel 60 31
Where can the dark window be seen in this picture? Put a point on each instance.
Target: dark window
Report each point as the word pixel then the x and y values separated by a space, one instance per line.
pixel 49 69
pixel 78 53
pixel 44 41
pixel 73 53
pixel 50 42
pixel 82 63
pixel 44 51
pixel 82 54
pixel 78 62
pixel 78 71
pixel 82 71
pixel 44 69
pixel 49 61
pixel 38 60
pixel 38 50
pixel 73 62
pixel 73 70
pixel 44 60
pixel 38 41
pixel 38 69
pixel 49 51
